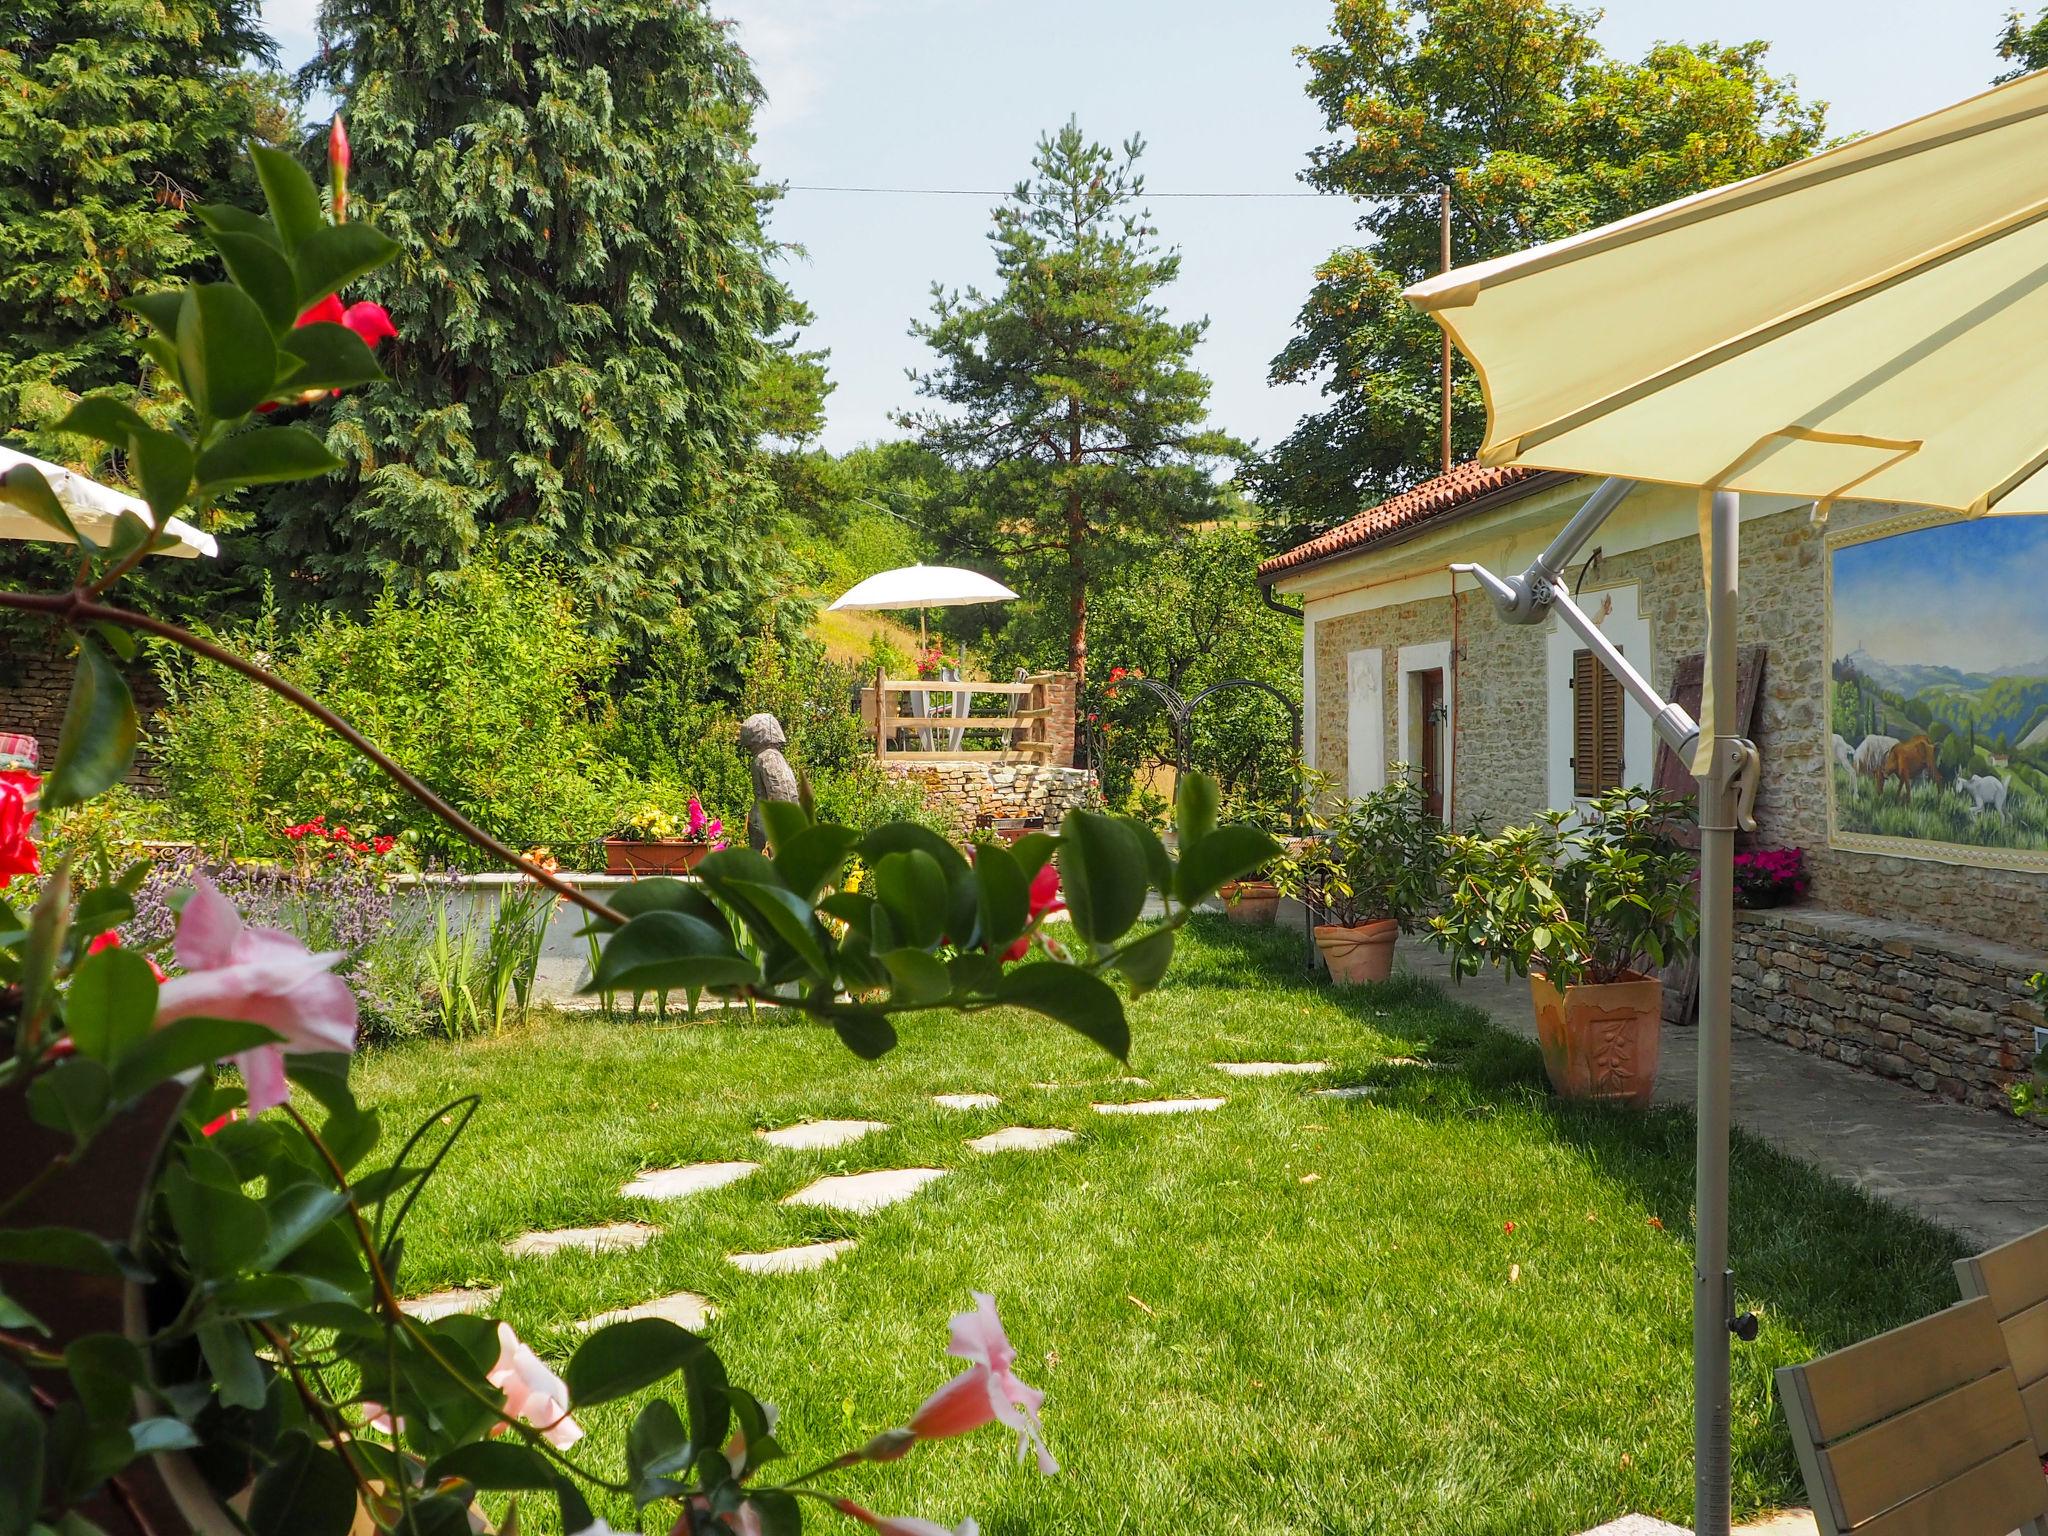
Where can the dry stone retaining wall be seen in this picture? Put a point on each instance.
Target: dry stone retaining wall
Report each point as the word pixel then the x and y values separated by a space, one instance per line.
pixel 962 792
pixel 1949 1014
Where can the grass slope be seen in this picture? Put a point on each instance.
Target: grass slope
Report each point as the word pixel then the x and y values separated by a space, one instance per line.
pixel 1291 1315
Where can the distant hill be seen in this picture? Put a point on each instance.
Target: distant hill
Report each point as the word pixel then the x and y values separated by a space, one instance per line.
pixel 1906 679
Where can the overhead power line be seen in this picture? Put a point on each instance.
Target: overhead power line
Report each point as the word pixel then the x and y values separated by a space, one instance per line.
pixel 976 192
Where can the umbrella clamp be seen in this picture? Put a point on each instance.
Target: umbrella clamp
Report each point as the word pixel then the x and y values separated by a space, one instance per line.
pixel 1737 767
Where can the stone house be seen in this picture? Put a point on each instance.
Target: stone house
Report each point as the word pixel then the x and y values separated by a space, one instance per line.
pixel 1928 905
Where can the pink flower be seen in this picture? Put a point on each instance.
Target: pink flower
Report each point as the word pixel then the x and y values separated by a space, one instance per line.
pixel 904 1525
pixel 258 976
pixel 532 1391
pixel 987 1390
pixel 1045 900
pixel 696 816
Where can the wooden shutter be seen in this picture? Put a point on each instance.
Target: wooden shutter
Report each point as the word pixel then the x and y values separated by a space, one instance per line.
pixel 1598 705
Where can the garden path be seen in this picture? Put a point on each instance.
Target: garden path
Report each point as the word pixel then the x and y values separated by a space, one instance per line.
pixel 1982 1174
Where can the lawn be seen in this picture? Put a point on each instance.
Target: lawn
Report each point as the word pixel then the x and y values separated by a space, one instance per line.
pixel 1455 1307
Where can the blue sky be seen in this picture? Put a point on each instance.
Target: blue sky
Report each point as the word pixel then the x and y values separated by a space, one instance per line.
pixel 953 93
pixel 1964 595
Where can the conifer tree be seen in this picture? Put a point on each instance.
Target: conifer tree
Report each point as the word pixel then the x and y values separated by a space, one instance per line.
pixel 116 118
pixel 581 306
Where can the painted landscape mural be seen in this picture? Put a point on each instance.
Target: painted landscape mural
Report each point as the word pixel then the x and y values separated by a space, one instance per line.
pixel 1939 689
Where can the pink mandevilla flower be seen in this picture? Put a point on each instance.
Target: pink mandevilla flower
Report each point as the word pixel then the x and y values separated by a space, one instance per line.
pixel 904 1525
pixel 258 976
pixel 1045 900
pixel 987 1390
pixel 532 1391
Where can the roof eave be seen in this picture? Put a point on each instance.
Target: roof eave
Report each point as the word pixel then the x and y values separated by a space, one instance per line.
pixel 1499 496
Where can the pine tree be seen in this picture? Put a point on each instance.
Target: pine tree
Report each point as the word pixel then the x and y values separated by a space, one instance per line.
pixel 116 117
pixel 1068 400
pixel 581 304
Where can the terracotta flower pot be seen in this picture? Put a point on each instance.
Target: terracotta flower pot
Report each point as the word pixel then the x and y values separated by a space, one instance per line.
pixel 1600 1041
pixel 1358 954
pixel 1251 902
pixel 658 856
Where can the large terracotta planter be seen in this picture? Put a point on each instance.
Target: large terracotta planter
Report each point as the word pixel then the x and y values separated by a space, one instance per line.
pixel 1251 902
pixel 661 856
pixel 1358 954
pixel 1600 1042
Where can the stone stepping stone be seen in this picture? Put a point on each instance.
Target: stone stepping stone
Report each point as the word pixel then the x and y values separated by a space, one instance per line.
pixel 1637 1525
pixel 790 1261
pixel 863 1192
pixel 966 1100
pixel 820 1135
pixel 1356 1091
pixel 686 1309
pixel 613 1238
pixel 1020 1138
pixel 1160 1107
pixel 436 1305
pixel 675 1183
pixel 1269 1068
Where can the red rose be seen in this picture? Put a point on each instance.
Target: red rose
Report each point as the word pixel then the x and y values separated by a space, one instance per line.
pixel 18 853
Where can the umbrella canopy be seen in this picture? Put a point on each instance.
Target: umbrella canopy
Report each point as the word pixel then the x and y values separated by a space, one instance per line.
pixel 94 509
pixel 1872 319
pixel 924 586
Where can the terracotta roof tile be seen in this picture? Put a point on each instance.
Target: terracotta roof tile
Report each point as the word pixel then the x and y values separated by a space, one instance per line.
pixel 1450 492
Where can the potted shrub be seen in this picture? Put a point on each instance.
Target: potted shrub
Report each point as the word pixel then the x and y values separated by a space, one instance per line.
pixel 654 842
pixel 1367 871
pixel 1589 908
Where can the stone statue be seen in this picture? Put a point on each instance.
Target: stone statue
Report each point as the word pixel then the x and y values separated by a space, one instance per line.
pixel 761 737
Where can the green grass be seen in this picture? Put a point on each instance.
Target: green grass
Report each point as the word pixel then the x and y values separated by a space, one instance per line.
pixel 1227 1344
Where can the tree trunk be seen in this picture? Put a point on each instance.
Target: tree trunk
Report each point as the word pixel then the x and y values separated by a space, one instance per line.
pixel 1077 575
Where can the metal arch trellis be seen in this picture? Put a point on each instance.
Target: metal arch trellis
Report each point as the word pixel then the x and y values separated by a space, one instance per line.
pixel 1180 713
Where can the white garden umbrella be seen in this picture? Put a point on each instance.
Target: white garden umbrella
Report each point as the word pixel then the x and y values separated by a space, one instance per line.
pixel 94 509
pixel 1871 320
pixel 922 587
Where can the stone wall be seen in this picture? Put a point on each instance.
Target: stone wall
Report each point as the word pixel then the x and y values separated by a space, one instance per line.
pixel 1948 1014
pixel 35 686
pixel 962 792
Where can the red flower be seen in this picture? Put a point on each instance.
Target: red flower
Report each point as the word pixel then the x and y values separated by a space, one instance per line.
pixel 1045 900
pixel 18 853
pixel 111 939
pixel 370 321
pixel 1116 673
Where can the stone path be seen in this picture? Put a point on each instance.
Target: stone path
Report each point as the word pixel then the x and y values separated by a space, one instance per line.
pixel 1356 1091
pixel 606 1239
pixel 1160 1107
pixel 1270 1068
pixel 820 1135
pixel 1792 1523
pixel 439 1304
pixel 686 1309
pixel 860 1193
pixel 1979 1173
pixel 966 1100
pixel 676 1183
pixel 790 1261
pixel 1020 1138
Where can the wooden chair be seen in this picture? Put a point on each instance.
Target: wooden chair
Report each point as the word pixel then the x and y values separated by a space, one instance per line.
pixel 2014 1278
pixel 1918 1432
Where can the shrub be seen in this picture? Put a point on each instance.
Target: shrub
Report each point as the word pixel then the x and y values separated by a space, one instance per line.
pixel 1371 859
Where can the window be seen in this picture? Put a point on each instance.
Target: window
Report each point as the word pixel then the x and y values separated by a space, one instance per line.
pixel 1596 726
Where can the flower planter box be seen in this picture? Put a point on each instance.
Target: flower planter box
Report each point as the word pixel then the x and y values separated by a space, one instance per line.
pixel 1359 952
pixel 1251 902
pixel 1600 1042
pixel 656 856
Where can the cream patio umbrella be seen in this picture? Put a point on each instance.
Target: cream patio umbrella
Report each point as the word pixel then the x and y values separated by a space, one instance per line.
pixel 94 509
pixel 1871 320
pixel 922 587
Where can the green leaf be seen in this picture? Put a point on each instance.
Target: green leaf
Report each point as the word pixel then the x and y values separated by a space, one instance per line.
pixel 73 1097
pixel 111 1004
pixel 783 822
pixel 779 1512
pixel 260 270
pixel 918 977
pixel 867 1032
pixel 103 418
pixel 223 1231
pixel 307 1491
pixel 21 1459
pixel 151 1436
pixel 58 1248
pixel 625 1357
pixel 912 887
pixel 99 733
pixel 1224 854
pixel 227 218
pixel 495 1464
pixel 664 893
pixel 814 858
pixel 236 1372
pixel 160 309
pixel 162 462
pixel 294 200
pixel 14 1315
pixel 331 357
pixel 784 914
pixel 1076 998
pixel 1194 809
pixel 295 1213
pixel 1004 895
pixel 335 254
pixel 105 1369
pixel 181 1045
pixel 1144 963
pixel 24 488
pixel 225 353
pixel 1103 874
pixel 664 951
pixel 264 456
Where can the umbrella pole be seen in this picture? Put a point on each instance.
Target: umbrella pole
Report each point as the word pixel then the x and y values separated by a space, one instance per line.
pixel 1713 1310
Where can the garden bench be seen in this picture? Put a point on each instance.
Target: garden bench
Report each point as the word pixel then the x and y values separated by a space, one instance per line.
pixel 1918 1432
pixel 2014 1278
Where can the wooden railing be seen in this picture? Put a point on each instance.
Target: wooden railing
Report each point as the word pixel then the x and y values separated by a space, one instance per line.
pixel 900 736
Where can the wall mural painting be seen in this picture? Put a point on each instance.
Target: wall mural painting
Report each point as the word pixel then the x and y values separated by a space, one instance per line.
pixel 1938 690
